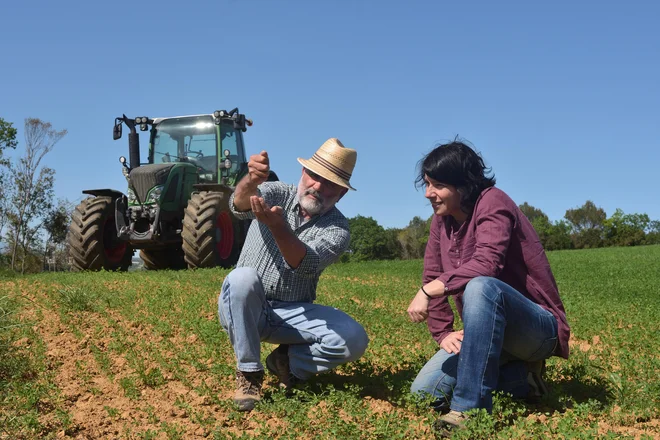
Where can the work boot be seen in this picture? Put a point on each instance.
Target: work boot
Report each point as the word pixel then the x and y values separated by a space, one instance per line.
pixel 277 363
pixel 537 387
pixel 248 389
pixel 450 422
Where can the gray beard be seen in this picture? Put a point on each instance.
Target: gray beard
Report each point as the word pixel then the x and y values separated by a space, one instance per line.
pixel 312 206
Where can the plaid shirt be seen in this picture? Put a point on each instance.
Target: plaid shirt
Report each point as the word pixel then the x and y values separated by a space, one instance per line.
pixel 326 237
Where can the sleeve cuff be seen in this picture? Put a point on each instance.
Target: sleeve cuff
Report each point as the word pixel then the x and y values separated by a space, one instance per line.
pixel 241 215
pixel 445 278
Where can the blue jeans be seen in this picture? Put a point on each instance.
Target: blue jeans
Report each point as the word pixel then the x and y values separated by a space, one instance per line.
pixel 320 338
pixel 502 331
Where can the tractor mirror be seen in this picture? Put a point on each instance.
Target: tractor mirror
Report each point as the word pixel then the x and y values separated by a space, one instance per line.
pixel 239 123
pixel 116 131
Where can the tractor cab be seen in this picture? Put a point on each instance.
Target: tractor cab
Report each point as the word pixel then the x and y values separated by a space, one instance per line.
pixel 213 145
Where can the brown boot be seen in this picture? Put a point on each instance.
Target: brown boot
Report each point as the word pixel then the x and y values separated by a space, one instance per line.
pixel 248 389
pixel 450 422
pixel 278 364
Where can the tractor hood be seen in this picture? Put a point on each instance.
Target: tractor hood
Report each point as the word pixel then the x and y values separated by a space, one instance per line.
pixel 146 177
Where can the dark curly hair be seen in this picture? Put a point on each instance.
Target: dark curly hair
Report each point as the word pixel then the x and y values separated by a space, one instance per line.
pixel 458 165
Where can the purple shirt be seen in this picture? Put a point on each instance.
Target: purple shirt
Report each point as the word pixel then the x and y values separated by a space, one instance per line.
pixel 496 241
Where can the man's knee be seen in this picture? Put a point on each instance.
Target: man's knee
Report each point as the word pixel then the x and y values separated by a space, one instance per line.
pixel 241 283
pixel 351 341
pixel 357 343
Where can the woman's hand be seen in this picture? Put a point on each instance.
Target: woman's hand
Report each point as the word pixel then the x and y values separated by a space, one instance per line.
pixel 418 310
pixel 452 342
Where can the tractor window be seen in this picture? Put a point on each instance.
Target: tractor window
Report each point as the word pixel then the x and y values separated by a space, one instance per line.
pixel 165 148
pixel 191 140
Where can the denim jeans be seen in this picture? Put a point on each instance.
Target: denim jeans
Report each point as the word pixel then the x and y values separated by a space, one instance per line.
pixel 502 331
pixel 320 338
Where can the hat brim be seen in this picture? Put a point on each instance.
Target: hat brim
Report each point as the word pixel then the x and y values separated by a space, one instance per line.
pixel 325 173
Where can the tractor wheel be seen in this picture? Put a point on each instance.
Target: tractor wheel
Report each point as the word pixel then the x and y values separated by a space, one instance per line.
pixel 93 242
pixel 159 259
pixel 211 234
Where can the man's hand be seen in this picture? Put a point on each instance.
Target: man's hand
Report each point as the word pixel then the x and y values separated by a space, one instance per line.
pixel 418 310
pixel 452 342
pixel 271 217
pixel 293 250
pixel 258 168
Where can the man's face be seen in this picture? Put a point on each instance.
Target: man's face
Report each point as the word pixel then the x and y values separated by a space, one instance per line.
pixel 316 194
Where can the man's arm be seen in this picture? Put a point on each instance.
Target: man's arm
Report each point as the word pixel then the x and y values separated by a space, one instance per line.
pixel 293 250
pixel 258 170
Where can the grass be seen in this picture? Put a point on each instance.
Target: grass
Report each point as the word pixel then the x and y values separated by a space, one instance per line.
pixel 142 355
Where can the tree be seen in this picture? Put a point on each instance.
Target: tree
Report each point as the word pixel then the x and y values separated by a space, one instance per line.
pixel 553 236
pixel 531 212
pixel 392 242
pixel 33 188
pixel 56 225
pixel 413 238
pixel 7 140
pixel 587 224
pixel 626 229
pixel 558 236
pixel 653 233
pixel 370 241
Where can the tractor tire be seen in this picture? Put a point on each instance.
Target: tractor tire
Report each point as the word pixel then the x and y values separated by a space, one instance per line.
pixel 93 242
pixel 211 234
pixel 159 259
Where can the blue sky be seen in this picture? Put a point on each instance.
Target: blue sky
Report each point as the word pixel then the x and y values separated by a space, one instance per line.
pixel 561 98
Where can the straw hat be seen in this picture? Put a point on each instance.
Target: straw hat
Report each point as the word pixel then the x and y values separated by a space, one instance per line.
pixel 333 162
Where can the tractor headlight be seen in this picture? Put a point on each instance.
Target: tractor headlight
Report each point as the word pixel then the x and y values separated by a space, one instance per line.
pixel 154 194
pixel 132 200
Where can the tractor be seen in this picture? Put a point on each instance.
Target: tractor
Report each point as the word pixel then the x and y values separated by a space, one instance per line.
pixel 175 210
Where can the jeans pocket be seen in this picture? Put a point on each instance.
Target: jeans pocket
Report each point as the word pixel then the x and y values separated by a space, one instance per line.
pixel 545 350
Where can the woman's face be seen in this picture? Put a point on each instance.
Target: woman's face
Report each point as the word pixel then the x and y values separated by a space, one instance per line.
pixel 444 199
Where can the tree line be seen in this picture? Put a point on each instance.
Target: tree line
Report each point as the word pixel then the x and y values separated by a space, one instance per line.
pixel 584 227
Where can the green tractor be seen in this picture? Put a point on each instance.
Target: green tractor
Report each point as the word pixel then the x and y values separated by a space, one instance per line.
pixel 176 208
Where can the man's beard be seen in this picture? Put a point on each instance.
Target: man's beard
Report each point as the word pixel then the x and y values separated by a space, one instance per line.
pixel 313 206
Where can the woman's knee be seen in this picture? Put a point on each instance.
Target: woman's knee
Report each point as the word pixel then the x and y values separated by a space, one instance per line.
pixel 481 289
pixel 438 377
pixel 440 386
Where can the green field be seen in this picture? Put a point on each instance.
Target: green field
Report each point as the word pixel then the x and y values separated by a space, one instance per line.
pixel 141 355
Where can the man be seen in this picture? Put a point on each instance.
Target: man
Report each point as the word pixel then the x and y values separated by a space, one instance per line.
pixel 269 297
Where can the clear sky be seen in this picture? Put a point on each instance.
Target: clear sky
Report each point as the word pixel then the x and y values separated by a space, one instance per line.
pixel 561 98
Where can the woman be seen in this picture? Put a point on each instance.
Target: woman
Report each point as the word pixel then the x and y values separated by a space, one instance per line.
pixel 484 251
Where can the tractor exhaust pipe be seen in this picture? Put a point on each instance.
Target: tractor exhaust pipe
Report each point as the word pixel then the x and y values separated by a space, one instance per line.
pixel 133 136
pixel 134 149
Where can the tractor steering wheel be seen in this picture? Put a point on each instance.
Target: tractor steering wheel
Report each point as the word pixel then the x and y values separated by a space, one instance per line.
pixel 198 154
